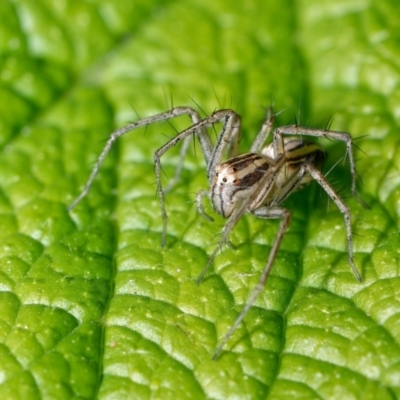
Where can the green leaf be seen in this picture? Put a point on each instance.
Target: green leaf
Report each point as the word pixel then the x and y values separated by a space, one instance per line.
pixel 91 306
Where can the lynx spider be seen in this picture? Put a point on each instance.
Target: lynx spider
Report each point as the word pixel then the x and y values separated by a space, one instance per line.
pixel 257 181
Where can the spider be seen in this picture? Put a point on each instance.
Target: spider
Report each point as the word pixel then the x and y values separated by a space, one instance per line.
pixel 256 182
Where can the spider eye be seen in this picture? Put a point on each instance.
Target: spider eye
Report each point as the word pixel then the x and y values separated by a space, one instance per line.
pixel 224 180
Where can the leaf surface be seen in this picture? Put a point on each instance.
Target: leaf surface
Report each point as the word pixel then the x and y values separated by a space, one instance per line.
pixel 91 306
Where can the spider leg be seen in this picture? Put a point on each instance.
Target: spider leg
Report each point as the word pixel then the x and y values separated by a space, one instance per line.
pixel 234 139
pixel 230 224
pixel 199 201
pixel 229 134
pixel 266 129
pixel 178 170
pixel 344 209
pixel 206 147
pixel 266 213
pixel 274 212
pixel 175 112
pixel 290 186
pixel 258 193
pixel 342 136
pixel 230 129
